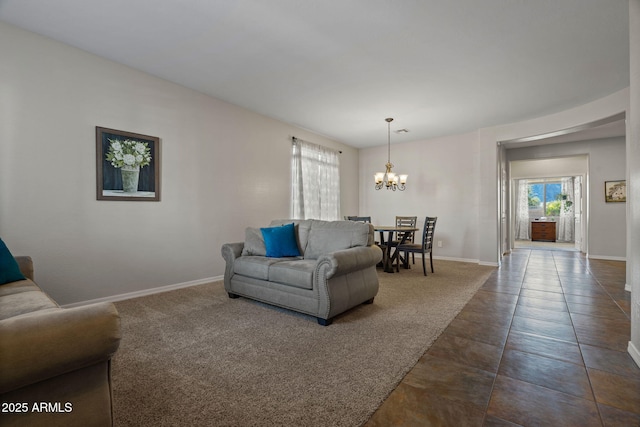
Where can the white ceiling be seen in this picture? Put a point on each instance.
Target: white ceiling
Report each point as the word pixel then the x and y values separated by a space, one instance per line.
pixel 340 67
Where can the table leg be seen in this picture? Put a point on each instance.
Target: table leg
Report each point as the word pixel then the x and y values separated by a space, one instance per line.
pixel 388 265
pixel 396 252
pixel 382 262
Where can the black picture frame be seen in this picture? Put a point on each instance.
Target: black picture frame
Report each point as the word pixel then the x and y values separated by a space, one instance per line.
pixel 109 184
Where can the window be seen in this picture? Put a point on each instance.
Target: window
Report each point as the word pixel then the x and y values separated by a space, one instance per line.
pixel 315 186
pixel 544 198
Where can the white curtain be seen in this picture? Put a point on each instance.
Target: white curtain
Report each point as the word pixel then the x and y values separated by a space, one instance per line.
pixel 522 210
pixel 315 182
pixel 566 222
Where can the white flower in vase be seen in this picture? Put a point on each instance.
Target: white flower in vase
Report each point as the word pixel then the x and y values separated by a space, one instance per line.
pixel 129 156
pixel 128 153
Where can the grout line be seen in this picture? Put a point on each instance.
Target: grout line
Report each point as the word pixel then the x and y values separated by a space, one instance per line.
pixel 607 292
pixel 504 346
pixel 584 363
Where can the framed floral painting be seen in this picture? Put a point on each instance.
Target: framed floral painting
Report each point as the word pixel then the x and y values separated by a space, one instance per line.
pixel 127 166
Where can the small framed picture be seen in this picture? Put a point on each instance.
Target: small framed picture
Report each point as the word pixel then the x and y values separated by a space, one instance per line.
pixel 615 191
pixel 127 166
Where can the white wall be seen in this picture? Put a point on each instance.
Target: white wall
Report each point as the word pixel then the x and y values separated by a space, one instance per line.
pixel 633 187
pixel 550 168
pixel 223 168
pixel 442 182
pixel 607 162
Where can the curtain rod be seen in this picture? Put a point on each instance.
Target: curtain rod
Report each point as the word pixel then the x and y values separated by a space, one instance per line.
pixel 294 139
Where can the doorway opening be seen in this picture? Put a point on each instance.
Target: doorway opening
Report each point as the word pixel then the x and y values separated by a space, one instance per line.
pixel 548 213
pixel 550 147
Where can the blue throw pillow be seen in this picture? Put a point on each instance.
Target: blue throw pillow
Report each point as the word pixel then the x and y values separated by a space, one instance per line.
pixel 280 241
pixel 9 270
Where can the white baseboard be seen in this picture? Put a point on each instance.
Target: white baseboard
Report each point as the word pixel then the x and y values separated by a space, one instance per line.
pixel 145 292
pixel 627 287
pixel 607 258
pixel 635 354
pixel 472 261
pixel 489 264
pixel 445 258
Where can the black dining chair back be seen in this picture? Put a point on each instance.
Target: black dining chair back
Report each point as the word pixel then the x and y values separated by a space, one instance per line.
pixel 406 221
pixel 426 247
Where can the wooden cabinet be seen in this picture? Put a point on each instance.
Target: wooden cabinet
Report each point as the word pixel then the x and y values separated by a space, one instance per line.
pixel 543 230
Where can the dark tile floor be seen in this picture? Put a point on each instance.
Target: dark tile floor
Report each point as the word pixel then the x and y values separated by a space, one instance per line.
pixel 542 343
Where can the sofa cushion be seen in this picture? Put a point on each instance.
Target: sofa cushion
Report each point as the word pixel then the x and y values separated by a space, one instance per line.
pixel 326 237
pixel 24 302
pixel 281 241
pixel 253 243
pixel 254 266
pixel 17 287
pixel 9 269
pixel 298 273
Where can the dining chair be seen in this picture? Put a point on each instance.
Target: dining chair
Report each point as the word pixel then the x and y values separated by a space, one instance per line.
pixel 407 221
pixel 424 248
pixel 401 221
pixel 366 219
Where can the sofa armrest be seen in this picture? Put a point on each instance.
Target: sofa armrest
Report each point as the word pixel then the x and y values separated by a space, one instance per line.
pixel 231 251
pixel 26 266
pixel 348 260
pixel 48 343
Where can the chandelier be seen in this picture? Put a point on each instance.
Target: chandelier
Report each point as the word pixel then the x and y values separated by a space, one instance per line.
pixel 389 179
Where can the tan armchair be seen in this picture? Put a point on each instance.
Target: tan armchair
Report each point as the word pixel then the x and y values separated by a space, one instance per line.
pixel 55 363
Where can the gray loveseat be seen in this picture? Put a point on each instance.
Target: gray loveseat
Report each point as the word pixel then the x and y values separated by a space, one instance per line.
pixel 335 269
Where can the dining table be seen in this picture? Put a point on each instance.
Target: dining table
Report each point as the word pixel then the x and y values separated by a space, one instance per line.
pixel 389 251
